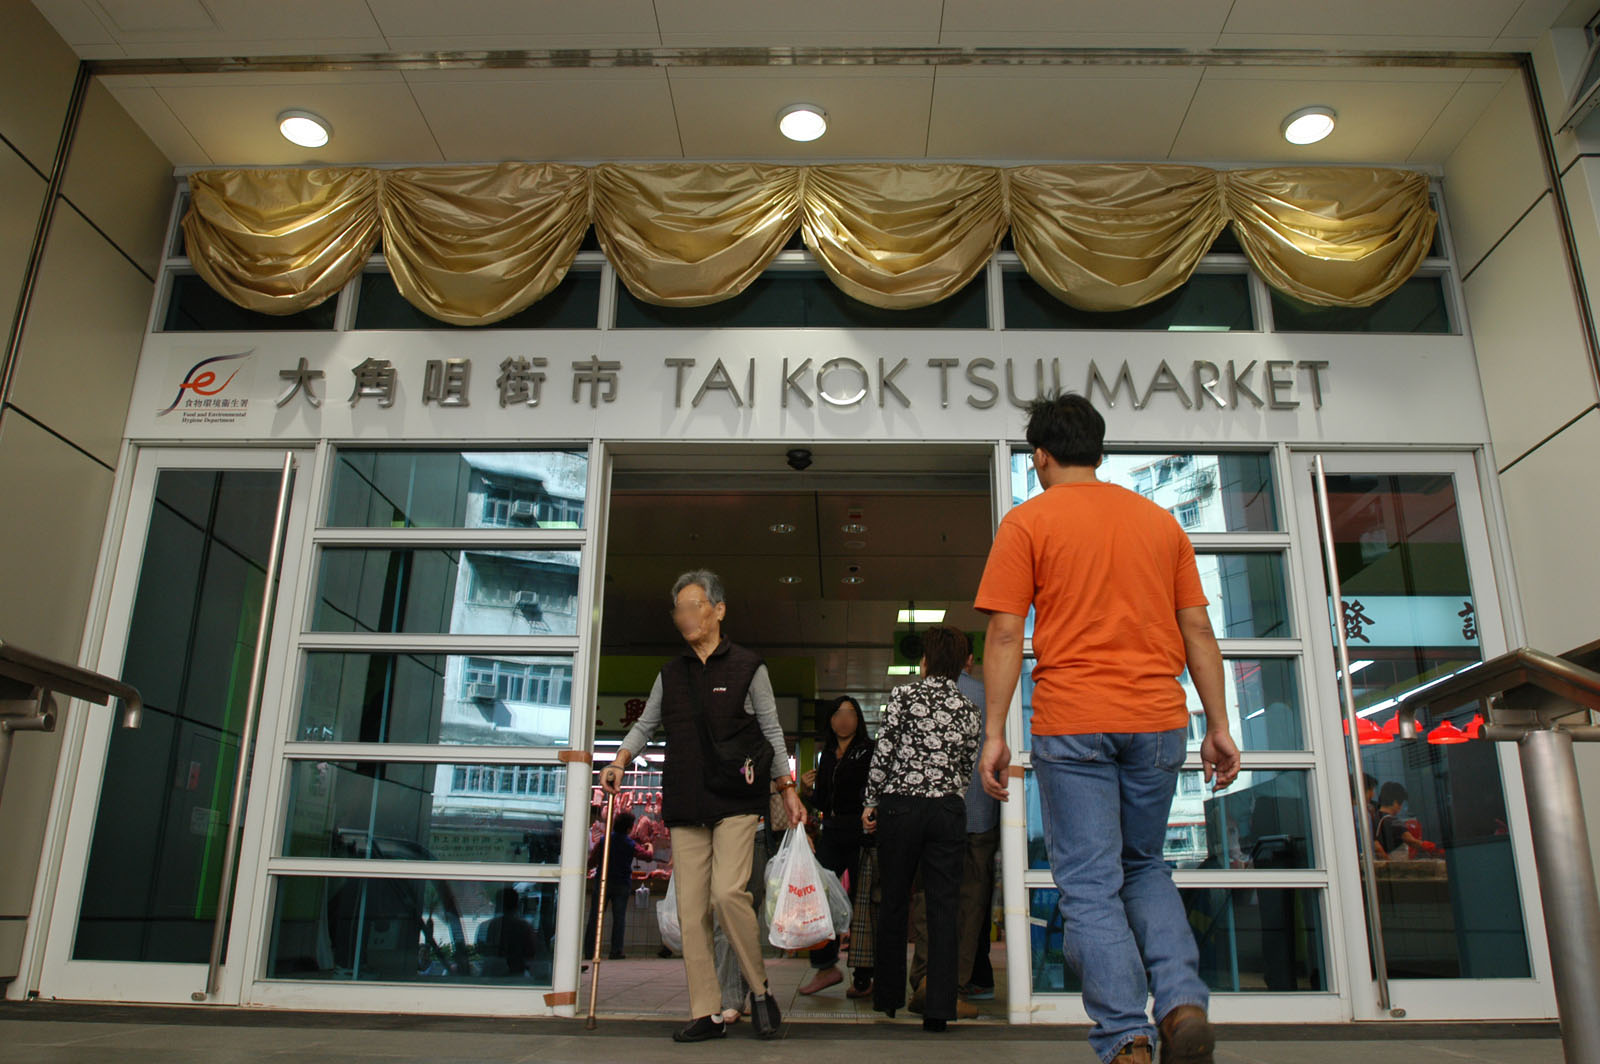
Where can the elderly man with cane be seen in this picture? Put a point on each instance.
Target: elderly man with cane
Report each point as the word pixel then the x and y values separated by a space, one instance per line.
pixel 725 751
pixel 1119 614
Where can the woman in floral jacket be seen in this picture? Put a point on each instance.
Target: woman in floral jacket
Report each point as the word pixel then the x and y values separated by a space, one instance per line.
pixel 915 802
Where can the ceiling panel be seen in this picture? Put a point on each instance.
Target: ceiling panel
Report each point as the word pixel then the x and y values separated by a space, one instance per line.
pixel 146 107
pixel 152 28
pixel 1048 23
pixel 1240 118
pixel 701 23
pixel 427 25
pixel 1058 113
pixel 873 112
pixel 1453 123
pixel 235 121
pixel 1319 20
pixel 538 115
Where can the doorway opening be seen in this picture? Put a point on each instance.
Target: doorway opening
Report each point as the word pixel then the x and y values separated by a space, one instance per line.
pixel 832 560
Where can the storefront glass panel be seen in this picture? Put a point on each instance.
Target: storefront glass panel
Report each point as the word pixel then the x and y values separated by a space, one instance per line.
pixel 442 931
pixel 425 811
pixel 439 590
pixel 452 699
pixel 1256 940
pixel 450 489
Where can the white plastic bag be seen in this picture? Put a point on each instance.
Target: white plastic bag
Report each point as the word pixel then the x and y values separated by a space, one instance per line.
pixel 667 917
pixel 800 916
pixel 838 901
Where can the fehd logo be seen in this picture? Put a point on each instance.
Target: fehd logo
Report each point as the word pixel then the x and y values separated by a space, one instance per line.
pixel 200 398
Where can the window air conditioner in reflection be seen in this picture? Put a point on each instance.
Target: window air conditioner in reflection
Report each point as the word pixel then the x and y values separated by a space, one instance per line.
pixel 526 600
pixel 480 692
pixel 522 508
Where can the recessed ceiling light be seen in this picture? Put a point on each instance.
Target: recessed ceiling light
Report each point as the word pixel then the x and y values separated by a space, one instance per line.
pixel 788 579
pixel 782 528
pixel 902 670
pixel 1309 125
pixel 921 616
pixel 802 121
pixel 304 128
pixel 853 528
pixel 852 579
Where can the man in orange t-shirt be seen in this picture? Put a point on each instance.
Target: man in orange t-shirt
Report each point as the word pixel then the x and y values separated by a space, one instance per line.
pixel 1119 615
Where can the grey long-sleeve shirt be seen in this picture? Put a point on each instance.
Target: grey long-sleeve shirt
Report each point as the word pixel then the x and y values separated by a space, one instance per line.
pixel 758 702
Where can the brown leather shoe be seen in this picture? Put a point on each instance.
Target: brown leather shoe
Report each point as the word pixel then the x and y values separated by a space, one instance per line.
pixel 1135 1052
pixel 966 1010
pixel 1187 1036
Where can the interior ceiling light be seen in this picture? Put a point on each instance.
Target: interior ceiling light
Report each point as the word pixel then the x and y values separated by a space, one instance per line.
pixel 802 121
pixel 852 579
pixel 902 670
pixel 782 528
pixel 921 616
pixel 853 528
pixel 788 579
pixel 1309 125
pixel 304 128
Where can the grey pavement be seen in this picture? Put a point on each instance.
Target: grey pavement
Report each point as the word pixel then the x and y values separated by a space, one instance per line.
pixel 53 1033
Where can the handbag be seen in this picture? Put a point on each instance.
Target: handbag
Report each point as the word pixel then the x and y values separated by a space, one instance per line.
pixel 735 768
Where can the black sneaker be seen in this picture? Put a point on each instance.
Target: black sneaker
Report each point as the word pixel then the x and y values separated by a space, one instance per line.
pixel 702 1030
pixel 764 1016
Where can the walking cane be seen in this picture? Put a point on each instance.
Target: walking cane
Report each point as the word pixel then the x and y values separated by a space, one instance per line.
pixel 600 911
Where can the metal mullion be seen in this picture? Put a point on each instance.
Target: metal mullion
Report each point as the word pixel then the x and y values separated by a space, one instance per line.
pixel 423 753
pixel 1217 542
pixel 345 868
pixel 439 643
pixel 1248 878
pixel 453 538
pixel 1261 648
pixel 1216 878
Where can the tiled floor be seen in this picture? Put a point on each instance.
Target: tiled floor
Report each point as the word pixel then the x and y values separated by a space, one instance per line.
pixel 653 988
pixel 49 1033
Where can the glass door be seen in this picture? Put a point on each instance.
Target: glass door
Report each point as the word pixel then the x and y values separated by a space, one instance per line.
pixel 1449 868
pixel 157 812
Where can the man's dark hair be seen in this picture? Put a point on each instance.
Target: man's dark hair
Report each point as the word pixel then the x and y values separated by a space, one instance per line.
pixel 946 649
pixel 1392 792
pixel 1068 428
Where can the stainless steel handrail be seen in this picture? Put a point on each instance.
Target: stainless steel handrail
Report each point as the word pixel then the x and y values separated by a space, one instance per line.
pixel 28 682
pixel 247 737
pixel 1538 701
pixel 1369 870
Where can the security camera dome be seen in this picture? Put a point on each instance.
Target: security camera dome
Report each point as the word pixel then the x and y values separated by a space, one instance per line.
pixel 799 458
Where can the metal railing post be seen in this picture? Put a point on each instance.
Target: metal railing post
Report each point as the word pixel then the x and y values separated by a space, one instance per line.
pixel 1566 886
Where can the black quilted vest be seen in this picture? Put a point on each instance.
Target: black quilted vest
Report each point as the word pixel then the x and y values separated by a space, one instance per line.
pixel 723 682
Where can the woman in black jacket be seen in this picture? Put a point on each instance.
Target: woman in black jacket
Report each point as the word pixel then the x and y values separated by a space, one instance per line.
pixel 835 788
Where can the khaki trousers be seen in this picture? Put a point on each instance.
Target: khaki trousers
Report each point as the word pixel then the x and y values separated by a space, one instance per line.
pixel 711 867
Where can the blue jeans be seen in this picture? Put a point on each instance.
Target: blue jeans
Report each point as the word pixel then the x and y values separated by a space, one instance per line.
pixel 1105 799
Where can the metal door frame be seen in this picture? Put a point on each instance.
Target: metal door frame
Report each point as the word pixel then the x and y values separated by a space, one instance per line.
pixel 87 743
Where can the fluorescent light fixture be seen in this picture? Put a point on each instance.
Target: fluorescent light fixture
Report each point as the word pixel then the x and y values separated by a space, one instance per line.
pixel 304 128
pixel 902 670
pixel 921 616
pixel 1199 328
pixel 802 121
pixel 1257 713
pixel 1309 125
pixel 782 528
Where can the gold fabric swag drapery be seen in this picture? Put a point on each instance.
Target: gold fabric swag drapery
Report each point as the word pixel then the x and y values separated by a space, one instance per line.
pixel 471 245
